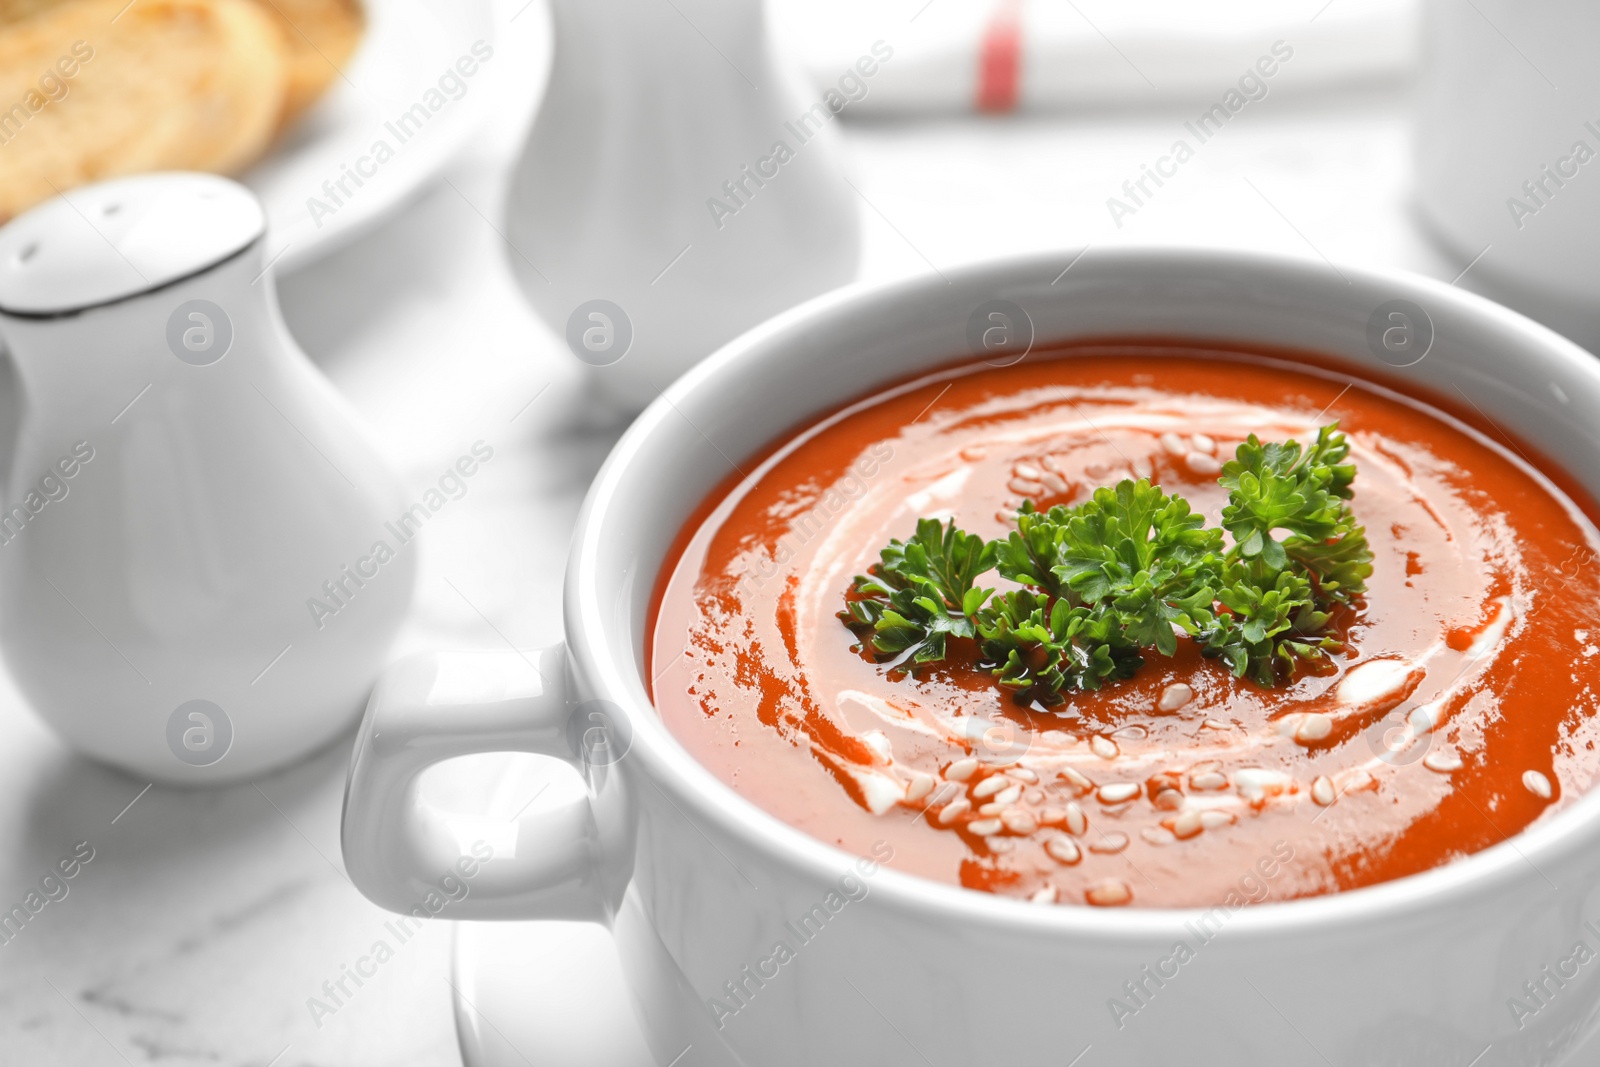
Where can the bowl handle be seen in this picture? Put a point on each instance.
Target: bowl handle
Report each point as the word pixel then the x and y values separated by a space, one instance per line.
pixel 405 856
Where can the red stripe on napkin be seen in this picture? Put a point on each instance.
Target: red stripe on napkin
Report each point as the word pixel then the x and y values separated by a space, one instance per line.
pixel 1000 58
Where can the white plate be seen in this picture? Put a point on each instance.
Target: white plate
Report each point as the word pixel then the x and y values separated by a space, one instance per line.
pixel 543 993
pixel 408 47
pixel 530 992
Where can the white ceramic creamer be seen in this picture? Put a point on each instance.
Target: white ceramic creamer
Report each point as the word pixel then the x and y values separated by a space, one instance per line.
pixel 680 185
pixel 185 489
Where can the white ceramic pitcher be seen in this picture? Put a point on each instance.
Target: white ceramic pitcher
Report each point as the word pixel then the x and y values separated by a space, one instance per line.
pixel 1506 153
pixel 185 491
pixel 656 113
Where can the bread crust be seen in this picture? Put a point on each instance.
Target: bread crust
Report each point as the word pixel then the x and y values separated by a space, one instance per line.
pixel 168 85
pixel 320 36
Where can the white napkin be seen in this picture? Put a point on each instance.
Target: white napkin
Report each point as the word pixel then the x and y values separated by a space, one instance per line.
pixel 1000 55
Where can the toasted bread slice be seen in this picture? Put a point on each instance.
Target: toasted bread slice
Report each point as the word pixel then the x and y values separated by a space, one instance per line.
pixel 16 10
pixel 320 35
pixel 169 85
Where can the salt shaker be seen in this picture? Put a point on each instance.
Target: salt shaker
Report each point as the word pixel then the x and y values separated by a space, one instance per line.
pixel 679 186
pixel 196 580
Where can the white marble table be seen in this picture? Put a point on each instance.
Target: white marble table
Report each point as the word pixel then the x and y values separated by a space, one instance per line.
pixel 206 920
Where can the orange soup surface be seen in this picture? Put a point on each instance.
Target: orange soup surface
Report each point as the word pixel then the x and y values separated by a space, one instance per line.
pixel 1460 710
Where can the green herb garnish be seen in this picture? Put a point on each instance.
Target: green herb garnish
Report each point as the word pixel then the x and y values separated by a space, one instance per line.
pixel 922 592
pixel 1126 572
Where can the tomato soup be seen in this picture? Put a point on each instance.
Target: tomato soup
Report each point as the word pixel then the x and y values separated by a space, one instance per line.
pixel 1460 709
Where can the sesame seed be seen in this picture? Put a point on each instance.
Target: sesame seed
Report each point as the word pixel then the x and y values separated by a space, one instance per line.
pixel 1313 728
pixel 1173 444
pixel 1009 796
pixel 1157 836
pixel 989 786
pixel 1022 774
pixel 1209 782
pixel 1108 894
pixel 1053 816
pixel 1322 790
pixel 1118 792
pixel 1213 724
pixel 1168 799
pixel 1000 845
pixel 1063 850
pixel 1034 797
pixel 1201 463
pixel 1019 821
pixel 1373 681
pixel 1537 784
pixel 1027 470
pixel 1077 780
pixel 1174 697
pixel 1442 761
pixel 984 827
pixel 954 810
pixel 1214 820
pixel 921 785
pixel 1054 482
pixel 991 809
pixel 1187 825
pixel 1077 822
pixel 1047 895
pixel 1204 443
pixel 1023 487
pixel 961 770
pixel 1103 747
pixel 1110 843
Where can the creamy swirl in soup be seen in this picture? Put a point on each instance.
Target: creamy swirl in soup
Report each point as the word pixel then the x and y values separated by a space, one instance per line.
pixel 1460 710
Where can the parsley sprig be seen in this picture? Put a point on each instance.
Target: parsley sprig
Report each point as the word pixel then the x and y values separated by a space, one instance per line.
pixel 1129 571
pixel 922 592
